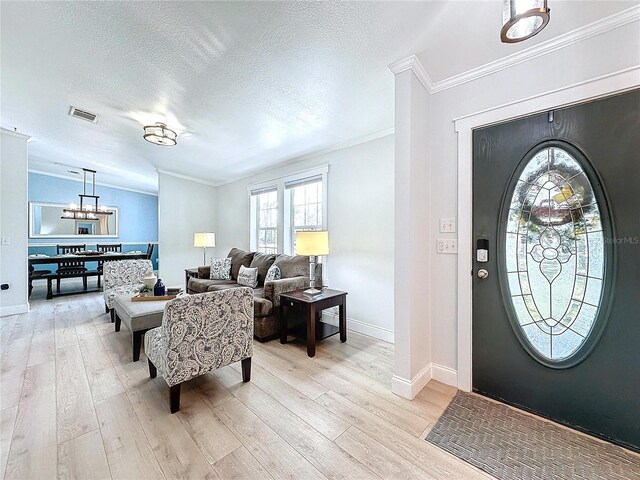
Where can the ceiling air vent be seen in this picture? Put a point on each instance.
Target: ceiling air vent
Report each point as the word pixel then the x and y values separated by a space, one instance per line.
pixel 83 114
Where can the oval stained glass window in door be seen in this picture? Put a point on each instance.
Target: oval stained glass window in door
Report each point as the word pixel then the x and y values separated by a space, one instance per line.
pixel 554 254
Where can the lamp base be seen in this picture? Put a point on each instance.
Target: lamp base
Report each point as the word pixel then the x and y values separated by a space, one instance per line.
pixel 312 291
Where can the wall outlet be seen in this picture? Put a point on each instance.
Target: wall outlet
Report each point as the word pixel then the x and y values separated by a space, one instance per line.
pixel 4 286
pixel 447 245
pixel 447 225
pixel 6 240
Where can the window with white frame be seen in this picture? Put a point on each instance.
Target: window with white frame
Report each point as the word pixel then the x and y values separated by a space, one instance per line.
pixel 283 206
pixel 266 220
pixel 305 206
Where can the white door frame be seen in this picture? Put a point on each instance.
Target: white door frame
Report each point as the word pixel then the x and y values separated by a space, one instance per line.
pixel 588 90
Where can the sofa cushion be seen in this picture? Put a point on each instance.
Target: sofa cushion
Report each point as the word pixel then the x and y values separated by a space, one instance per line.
pixel 201 285
pixel 248 277
pixel 293 266
pixel 239 257
pixel 261 306
pixel 220 269
pixel 262 261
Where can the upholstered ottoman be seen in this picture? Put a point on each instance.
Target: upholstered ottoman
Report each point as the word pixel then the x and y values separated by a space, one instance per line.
pixel 138 317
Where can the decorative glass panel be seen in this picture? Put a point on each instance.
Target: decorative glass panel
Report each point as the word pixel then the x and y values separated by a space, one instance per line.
pixel 554 251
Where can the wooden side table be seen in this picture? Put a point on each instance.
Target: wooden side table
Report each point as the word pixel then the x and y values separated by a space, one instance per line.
pixel 312 306
pixel 189 273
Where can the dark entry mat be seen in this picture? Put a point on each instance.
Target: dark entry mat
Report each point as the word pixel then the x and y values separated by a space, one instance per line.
pixel 509 444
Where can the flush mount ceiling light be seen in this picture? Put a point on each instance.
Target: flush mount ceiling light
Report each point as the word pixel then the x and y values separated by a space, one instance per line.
pixel 160 134
pixel 523 19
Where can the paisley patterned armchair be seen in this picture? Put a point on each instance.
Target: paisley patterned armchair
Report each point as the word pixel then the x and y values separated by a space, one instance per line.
pixel 123 277
pixel 201 333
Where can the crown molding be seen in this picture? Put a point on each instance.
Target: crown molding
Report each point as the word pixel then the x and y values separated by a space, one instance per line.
pixel 413 63
pixel 580 34
pixel 301 158
pixel 185 177
pixel 562 41
pixel 11 133
pixel 102 184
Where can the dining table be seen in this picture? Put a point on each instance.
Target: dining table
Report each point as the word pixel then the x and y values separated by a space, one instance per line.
pixel 41 259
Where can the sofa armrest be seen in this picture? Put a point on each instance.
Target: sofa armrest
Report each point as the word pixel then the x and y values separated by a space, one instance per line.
pixel 204 272
pixel 273 288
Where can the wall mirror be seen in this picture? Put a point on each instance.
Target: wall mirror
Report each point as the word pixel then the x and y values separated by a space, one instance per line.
pixel 46 220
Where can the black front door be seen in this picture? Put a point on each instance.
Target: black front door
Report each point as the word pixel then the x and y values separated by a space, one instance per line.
pixel 556 278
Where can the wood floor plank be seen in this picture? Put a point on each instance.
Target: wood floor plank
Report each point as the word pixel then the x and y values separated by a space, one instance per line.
pixel 377 457
pixel 7 422
pixel 330 425
pixel 412 423
pixel 13 366
pixel 83 457
pixel 33 453
pixel 424 455
pixel 240 465
pixel 65 329
pixel 177 453
pixel 6 327
pixel 128 452
pixel 320 366
pixel 43 349
pixel 322 453
pixel 279 458
pixel 289 373
pixel 23 327
pixel 213 438
pixel 103 378
pixel 76 413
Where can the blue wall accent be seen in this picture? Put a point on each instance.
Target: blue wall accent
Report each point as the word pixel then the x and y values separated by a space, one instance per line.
pixel 138 214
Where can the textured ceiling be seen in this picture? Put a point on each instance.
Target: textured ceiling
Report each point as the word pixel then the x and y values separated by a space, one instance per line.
pixel 246 84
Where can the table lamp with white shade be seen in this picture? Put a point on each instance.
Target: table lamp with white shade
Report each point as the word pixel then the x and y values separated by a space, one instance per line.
pixel 204 240
pixel 314 244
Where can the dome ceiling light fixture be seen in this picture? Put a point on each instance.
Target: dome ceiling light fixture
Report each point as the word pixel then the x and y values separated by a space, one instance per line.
pixel 523 19
pixel 160 134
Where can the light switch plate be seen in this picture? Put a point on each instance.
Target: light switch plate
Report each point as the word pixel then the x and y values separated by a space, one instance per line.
pixel 447 245
pixel 447 225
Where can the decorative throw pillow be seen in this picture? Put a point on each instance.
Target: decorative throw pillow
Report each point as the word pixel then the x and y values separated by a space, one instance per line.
pixel 220 269
pixel 248 277
pixel 273 274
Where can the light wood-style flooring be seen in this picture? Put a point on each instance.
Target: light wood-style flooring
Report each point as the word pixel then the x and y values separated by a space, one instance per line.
pixel 74 405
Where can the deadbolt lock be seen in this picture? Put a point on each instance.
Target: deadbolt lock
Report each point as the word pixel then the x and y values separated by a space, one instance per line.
pixel 482 273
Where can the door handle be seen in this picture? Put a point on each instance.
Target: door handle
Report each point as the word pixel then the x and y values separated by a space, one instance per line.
pixel 482 273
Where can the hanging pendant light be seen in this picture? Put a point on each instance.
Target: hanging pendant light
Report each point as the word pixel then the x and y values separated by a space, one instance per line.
pixel 523 19
pixel 86 211
pixel 160 134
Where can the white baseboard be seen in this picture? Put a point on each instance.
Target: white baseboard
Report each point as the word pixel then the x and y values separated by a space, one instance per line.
pixel 410 388
pixel 14 309
pixel 360 327
pixel 444 374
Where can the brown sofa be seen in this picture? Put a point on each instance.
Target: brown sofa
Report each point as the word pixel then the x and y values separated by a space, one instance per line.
pixel 266 296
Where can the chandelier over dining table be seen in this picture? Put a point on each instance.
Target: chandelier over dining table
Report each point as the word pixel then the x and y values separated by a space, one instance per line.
pixel 89 208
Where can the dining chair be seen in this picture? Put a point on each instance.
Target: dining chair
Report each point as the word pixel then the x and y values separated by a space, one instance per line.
pixel 71 268
pixel 107 247
pixel 150 250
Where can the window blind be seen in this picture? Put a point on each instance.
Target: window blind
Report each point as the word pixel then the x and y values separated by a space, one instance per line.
pixel 303 181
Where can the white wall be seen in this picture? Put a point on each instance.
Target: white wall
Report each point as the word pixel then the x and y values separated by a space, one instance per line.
pixel 361 227
pixel 412 243
pixel 14 266
pixel 610 52
pixel 184 207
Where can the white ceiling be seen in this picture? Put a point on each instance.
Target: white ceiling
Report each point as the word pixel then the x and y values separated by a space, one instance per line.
pixel 246 84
